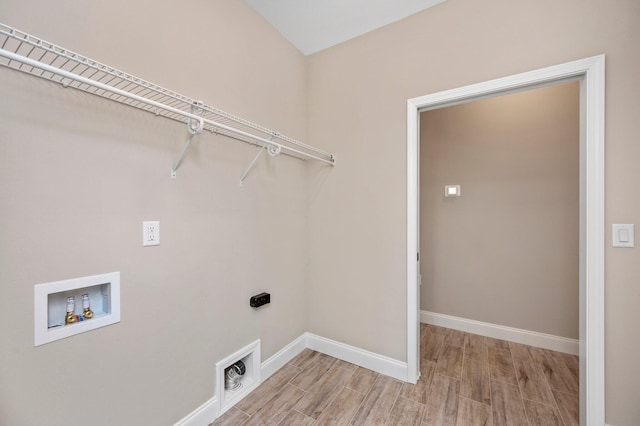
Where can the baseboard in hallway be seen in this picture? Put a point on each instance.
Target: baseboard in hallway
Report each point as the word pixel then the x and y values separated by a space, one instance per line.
pixel 495 331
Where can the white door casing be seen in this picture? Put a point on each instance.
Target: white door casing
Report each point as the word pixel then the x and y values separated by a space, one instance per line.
pixel 590 73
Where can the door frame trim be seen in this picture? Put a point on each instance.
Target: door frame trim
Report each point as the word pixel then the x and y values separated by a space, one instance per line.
pixel 591 74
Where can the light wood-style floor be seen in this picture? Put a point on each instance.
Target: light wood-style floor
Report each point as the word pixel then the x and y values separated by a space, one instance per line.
pixel 466 380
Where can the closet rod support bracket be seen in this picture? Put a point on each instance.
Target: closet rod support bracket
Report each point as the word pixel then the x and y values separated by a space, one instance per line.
pixel 179 160
pixel 195 127
pixel 272 149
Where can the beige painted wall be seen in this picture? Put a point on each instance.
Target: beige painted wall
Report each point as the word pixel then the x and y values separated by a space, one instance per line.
pixel 357 108
pixel 355 102
pixel 79 175
pixel 506 251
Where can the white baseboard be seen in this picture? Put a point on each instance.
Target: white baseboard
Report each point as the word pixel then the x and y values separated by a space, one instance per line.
pixel 517 335
pixel 283 356
pixel 208 412
pixel 201 416
pixel 378 363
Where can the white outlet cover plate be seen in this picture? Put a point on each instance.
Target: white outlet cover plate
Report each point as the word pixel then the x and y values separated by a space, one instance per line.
pixel 151 233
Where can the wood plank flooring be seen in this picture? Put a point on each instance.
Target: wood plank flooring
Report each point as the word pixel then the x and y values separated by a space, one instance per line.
pixel 465 380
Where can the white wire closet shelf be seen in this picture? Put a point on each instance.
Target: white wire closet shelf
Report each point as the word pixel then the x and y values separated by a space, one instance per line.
pixel 25 53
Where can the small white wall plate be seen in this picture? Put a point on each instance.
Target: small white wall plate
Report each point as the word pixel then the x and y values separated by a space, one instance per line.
pixel 452 191
pixel 623 235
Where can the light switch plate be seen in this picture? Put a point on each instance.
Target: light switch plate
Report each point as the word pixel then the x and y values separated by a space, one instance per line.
pixel 623 235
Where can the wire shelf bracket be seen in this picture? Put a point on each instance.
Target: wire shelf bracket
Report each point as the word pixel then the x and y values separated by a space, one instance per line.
pixel 28 54
pixel 273 150
pixel 194 127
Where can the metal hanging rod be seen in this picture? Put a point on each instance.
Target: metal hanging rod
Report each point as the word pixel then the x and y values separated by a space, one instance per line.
pixel 26 53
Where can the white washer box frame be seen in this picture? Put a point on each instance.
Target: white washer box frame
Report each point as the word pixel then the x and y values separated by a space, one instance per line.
pixel 109 282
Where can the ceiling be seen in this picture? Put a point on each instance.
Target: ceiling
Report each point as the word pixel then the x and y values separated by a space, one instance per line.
pixel 313 25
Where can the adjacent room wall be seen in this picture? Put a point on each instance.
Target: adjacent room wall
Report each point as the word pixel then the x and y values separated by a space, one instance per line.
pixel 505 251
pixel 78 175
pixel 358 95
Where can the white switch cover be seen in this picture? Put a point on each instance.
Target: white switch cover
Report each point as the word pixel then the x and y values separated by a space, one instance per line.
pixel 151 233
pixel 623 235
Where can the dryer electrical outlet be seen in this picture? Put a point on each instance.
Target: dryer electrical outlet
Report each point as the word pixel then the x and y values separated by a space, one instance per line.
pixel 259 300
pixel 151 233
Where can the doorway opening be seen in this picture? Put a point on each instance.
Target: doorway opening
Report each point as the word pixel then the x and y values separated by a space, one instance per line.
pixel 590 73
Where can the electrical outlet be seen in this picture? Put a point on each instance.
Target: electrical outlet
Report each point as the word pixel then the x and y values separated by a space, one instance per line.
pixel 151 233
pixel 259 300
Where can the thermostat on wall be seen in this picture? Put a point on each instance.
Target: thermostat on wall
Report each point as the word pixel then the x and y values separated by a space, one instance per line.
pixel 452 191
